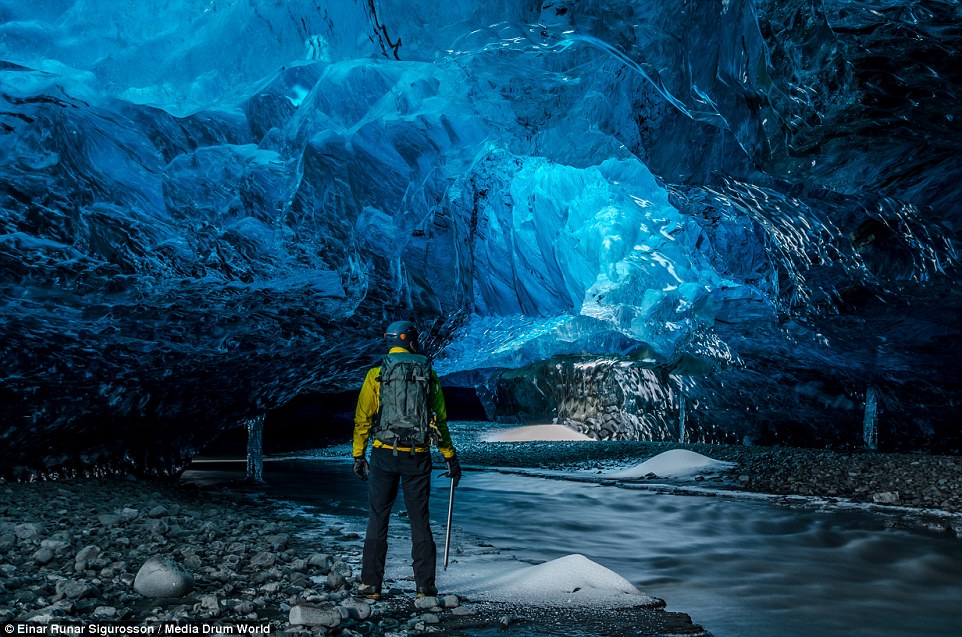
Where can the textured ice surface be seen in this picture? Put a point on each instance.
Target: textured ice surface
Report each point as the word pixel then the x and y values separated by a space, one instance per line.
pixel 676 463
pixel 209 207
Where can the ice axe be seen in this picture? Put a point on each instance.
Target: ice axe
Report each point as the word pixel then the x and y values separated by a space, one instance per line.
pixel 447 532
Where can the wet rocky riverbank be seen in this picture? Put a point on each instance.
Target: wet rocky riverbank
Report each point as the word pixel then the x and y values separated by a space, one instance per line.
pixel 123 550
pixel 918 481
pixel 126 550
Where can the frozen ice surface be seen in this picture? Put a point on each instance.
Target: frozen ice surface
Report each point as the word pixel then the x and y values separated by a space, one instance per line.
pixel 677 463
pixel 573 580
pixel 533 433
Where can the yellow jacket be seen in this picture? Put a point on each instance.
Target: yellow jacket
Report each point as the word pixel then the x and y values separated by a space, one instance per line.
pixel 369 402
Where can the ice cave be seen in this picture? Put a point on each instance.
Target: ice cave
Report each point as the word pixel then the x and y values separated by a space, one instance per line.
pixel 694 223
pixel 741 216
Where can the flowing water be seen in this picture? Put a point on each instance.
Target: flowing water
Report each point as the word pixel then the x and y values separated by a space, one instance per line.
pixel 740 568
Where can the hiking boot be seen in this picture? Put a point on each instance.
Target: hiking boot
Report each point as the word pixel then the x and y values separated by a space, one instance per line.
pixel 369 592
pixel 427 591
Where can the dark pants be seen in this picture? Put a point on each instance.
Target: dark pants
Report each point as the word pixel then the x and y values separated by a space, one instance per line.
pixel 413 473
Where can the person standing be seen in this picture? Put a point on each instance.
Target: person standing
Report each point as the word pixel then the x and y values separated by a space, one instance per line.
pixel 402 407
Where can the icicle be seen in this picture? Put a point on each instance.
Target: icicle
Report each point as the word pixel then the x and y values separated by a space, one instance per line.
pixel 255 449
pixel 681 418
pixel 870 428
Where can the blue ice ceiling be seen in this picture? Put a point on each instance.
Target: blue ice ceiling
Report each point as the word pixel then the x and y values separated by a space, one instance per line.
pixel 210 207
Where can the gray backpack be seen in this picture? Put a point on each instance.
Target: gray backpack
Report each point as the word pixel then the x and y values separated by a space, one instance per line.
pixel 405 418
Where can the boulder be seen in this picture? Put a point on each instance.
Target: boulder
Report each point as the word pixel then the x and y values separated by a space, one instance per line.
pixel 163 577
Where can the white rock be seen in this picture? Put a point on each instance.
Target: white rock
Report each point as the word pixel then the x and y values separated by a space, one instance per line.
pixel 303 615
pixel 163 577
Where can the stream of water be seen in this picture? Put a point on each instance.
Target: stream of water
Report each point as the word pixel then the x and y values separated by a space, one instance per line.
pixel 740 568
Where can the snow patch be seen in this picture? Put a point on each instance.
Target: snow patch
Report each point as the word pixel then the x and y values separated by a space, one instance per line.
pixel 677 463
pixel 533 433
pixel 573 580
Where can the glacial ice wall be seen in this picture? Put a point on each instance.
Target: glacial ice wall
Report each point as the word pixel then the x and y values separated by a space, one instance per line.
pixel 210 207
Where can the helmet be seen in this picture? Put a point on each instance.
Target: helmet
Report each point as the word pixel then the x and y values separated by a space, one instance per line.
pixel 402 334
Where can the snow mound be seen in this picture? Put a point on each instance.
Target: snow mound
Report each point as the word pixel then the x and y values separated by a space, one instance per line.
pixel 533 433
pixel 677 463
pixel 573 580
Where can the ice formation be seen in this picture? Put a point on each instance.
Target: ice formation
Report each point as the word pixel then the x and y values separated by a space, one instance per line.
pixel 739 215
pixel 572 580
pixel 675 463
pixel 532 433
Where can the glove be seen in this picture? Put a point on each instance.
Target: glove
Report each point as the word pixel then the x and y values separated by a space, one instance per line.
pixel 360 467
pixel 454 469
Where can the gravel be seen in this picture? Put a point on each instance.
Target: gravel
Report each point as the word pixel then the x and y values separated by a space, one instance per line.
pixel 72 551
pixel 919 481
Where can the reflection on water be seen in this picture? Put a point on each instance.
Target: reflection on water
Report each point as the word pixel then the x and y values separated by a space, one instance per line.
pixel 739 568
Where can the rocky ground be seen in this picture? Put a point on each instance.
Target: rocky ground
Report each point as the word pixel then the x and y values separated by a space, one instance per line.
pixel 906 480
pixel 122 550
